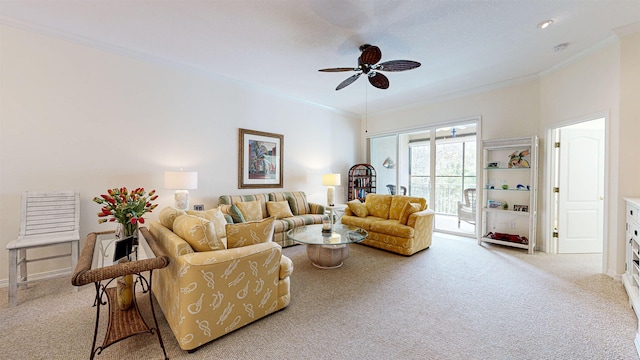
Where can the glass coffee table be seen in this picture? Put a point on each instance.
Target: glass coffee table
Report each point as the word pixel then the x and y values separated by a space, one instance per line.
pixel 327 251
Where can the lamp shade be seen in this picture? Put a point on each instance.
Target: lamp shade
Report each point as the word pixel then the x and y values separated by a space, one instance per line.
pixel 181 180
pixel 331 179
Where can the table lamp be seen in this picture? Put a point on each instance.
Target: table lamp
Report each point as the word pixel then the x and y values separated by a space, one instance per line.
pixel 331 180
pixel 181 182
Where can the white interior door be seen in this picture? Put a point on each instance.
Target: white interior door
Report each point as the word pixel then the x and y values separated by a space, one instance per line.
pixel 581 182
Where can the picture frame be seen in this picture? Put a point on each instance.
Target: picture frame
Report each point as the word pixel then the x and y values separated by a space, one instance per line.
pixel 492 204
pixel 260 158
pixel 521 208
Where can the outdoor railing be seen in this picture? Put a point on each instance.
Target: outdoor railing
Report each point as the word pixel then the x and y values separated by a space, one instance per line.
pixel 446 195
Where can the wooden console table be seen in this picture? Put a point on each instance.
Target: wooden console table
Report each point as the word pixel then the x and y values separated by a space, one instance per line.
pixel 95 266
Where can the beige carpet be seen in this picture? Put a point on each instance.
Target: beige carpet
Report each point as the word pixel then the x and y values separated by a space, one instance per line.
pixel 456 300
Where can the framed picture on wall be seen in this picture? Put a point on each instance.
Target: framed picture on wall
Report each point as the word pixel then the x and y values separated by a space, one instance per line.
pixel 260 156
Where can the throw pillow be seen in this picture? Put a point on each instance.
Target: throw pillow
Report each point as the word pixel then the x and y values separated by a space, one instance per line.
pixel 198 232
pixel 231 211
pixel 168 215
pixel 251 210
pixel 358 208
pixel 214 215
pixel 279 209
pixel 407 210
pixel 250 233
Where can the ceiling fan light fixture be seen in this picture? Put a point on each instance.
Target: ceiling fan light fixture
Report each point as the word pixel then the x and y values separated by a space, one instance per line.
pixel 368 65
pixel 545 24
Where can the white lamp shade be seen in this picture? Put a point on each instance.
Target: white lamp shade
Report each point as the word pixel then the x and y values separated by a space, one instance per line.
pixel 331 179
pixel 181 180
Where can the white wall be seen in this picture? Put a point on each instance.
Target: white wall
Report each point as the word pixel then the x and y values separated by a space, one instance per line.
pixel 78 117
pixel 590 85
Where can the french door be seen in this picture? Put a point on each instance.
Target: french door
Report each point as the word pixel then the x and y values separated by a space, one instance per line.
pixel 436 163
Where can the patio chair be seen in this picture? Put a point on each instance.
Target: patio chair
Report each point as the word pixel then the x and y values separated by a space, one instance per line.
pixel 47 219
pixel 392 189
pixel 467 209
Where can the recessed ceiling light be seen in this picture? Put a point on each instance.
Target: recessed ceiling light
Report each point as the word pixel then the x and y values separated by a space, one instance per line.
pixel 545 24
pixel 560 47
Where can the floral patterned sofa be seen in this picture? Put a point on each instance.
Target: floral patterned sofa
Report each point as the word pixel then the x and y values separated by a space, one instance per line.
pixel 397 223
pixel 291 209
pixel 220 276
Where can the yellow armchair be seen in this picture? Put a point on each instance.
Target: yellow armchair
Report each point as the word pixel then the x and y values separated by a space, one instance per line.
pixel 207 294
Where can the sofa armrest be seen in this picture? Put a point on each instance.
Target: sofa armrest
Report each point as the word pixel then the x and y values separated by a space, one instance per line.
pixel 425 215
pixel 265 252
pixel 286 267
pixel 422 222
pixel 317 208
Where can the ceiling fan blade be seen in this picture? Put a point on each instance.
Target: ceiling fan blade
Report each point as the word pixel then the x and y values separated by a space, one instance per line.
pixel 370 55
pixel 398 65
pixel 348 81
pixel 378 80
pixel 337 69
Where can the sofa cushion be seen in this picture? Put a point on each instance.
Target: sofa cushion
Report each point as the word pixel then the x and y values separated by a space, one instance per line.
pixel 251 210
pixel 297 201
pixel 392 227
pixel 358 208
pixel 250 233
pixel 235 199
pixel 301 220
pixel 281 225
pixel 214 215
pixel 364 223
pixel 279 209
pixel 378 205
pixel 199 232
pixel 168 215
pixel 407 210
pixel 398 202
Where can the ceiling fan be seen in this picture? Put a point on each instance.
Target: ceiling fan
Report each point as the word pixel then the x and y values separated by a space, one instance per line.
pixel 367 64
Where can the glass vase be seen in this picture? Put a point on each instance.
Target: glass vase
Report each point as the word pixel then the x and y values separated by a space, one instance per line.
pixel 124 284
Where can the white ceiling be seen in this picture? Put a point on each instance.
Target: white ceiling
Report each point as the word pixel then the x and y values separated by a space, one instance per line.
pixel 278 45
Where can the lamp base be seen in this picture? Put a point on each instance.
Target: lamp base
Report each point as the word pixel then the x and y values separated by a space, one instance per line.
pixel 182 199
pixel 330 195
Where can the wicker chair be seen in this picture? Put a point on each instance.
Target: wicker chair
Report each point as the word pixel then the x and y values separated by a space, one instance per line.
pixel 467 209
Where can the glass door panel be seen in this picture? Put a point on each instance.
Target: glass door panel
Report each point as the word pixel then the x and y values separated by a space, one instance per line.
pixel 435 163
pixel 384 158
pixel 420 170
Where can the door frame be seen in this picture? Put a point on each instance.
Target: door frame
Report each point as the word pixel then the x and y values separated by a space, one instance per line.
pixel 551 243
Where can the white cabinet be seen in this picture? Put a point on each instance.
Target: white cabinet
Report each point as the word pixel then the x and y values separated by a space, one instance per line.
pixel 509 192
pixel 632 264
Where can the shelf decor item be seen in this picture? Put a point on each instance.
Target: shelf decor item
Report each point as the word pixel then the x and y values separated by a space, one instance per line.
pixel 126 208
pixel 260 157
pixel 518 159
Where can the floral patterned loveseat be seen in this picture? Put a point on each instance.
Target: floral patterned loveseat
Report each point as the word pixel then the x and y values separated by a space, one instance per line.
pixel 397 223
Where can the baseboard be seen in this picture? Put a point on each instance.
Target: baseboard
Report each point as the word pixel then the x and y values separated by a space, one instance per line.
pixel 40 276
